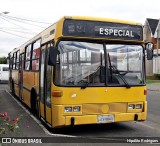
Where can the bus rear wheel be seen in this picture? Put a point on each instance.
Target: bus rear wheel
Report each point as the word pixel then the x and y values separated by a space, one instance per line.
pixel 34 103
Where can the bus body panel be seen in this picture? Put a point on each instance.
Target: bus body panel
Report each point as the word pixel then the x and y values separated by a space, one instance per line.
pixel 26 97
pixel 28 84
pixel 36 82
pixel 72 95
pixel 94 102
pixel 28 80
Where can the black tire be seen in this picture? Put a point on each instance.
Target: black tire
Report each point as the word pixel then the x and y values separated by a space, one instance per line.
pixel 34 103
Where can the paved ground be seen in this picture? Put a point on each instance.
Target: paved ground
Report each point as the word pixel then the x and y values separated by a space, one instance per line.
pixel 153 87
pixel 88 133
pixel 9 105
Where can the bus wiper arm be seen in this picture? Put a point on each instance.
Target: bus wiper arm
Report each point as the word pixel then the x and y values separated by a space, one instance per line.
pixel 84 84
pixel 122 77
pixel 124 80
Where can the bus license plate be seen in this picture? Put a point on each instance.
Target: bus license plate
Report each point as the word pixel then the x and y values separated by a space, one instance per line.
pixel 105 119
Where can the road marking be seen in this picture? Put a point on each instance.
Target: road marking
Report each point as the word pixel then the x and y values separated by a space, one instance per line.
pixel 37 121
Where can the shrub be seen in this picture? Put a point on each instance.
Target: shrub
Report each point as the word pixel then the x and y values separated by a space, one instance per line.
pixel 6 123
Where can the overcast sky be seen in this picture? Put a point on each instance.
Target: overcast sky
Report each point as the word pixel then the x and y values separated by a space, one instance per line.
pixel 50 11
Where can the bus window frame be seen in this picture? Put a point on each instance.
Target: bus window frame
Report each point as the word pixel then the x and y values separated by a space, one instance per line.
pixel 14 60
pixel 11 62
pixel 29 58
pixel 81 40
pixel 31 53
pixel 46 45
pixel 39 39
pixel 104 42
pixel 17 61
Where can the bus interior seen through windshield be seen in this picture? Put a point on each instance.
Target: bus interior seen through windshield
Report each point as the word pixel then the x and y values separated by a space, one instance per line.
pixel 98 64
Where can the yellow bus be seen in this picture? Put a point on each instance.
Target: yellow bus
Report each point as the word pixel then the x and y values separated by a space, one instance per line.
pixel 82 70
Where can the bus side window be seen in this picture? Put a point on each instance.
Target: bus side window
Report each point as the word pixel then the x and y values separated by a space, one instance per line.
pixel 5 69
pixel 27 57
pixel 36 55
pixel 14 60
pixel 17 60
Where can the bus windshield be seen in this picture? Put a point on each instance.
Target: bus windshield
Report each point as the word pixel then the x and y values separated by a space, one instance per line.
pixel 96 64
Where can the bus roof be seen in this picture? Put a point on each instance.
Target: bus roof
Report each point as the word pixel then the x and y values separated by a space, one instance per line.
pixel 45 35
pixel 101 19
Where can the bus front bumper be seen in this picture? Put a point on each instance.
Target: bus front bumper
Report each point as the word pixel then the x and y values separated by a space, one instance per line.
pixel 62 119
pixel 100 119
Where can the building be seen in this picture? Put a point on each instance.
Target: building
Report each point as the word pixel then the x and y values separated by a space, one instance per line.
pixel 152 34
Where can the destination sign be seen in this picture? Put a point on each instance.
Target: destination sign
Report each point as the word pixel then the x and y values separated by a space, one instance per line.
pixel 98 29
pixel 115 32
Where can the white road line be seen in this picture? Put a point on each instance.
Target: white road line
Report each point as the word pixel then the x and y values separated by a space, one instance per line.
pixel 38 122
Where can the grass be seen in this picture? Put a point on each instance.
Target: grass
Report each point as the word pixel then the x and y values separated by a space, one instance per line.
pixel 149 81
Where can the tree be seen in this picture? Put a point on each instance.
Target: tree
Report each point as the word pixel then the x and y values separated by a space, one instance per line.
pixel 3 60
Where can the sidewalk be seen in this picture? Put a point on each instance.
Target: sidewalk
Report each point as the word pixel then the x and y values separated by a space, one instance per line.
pixel 27 126
pixel 153 86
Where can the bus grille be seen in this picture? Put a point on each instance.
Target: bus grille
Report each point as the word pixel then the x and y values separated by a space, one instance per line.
pixel 104 108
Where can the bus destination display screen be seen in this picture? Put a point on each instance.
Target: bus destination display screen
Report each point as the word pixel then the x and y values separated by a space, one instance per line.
pixel 97 29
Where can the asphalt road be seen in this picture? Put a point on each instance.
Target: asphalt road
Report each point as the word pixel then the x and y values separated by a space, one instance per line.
pixel 32 127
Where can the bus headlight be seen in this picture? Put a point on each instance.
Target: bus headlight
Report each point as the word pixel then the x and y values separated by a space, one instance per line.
pixel 138 106
pixel 131 106
pixel 68 109
pixel 76 109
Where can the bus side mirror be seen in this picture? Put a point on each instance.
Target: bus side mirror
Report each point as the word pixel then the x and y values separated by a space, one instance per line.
pixel 149 50
pixel 53 52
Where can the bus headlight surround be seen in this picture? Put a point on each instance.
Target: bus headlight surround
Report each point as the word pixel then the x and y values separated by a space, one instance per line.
pixel 76 109
pixel 68 109
pixel 131 106
pixel 138 106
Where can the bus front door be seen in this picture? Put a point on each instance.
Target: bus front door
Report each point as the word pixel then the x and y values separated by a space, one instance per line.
pixel 45 86
pixel 20 75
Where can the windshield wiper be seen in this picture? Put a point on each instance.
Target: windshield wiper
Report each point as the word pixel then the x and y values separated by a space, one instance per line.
pixel 84 83
pixel 121 76
pixel 117 72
